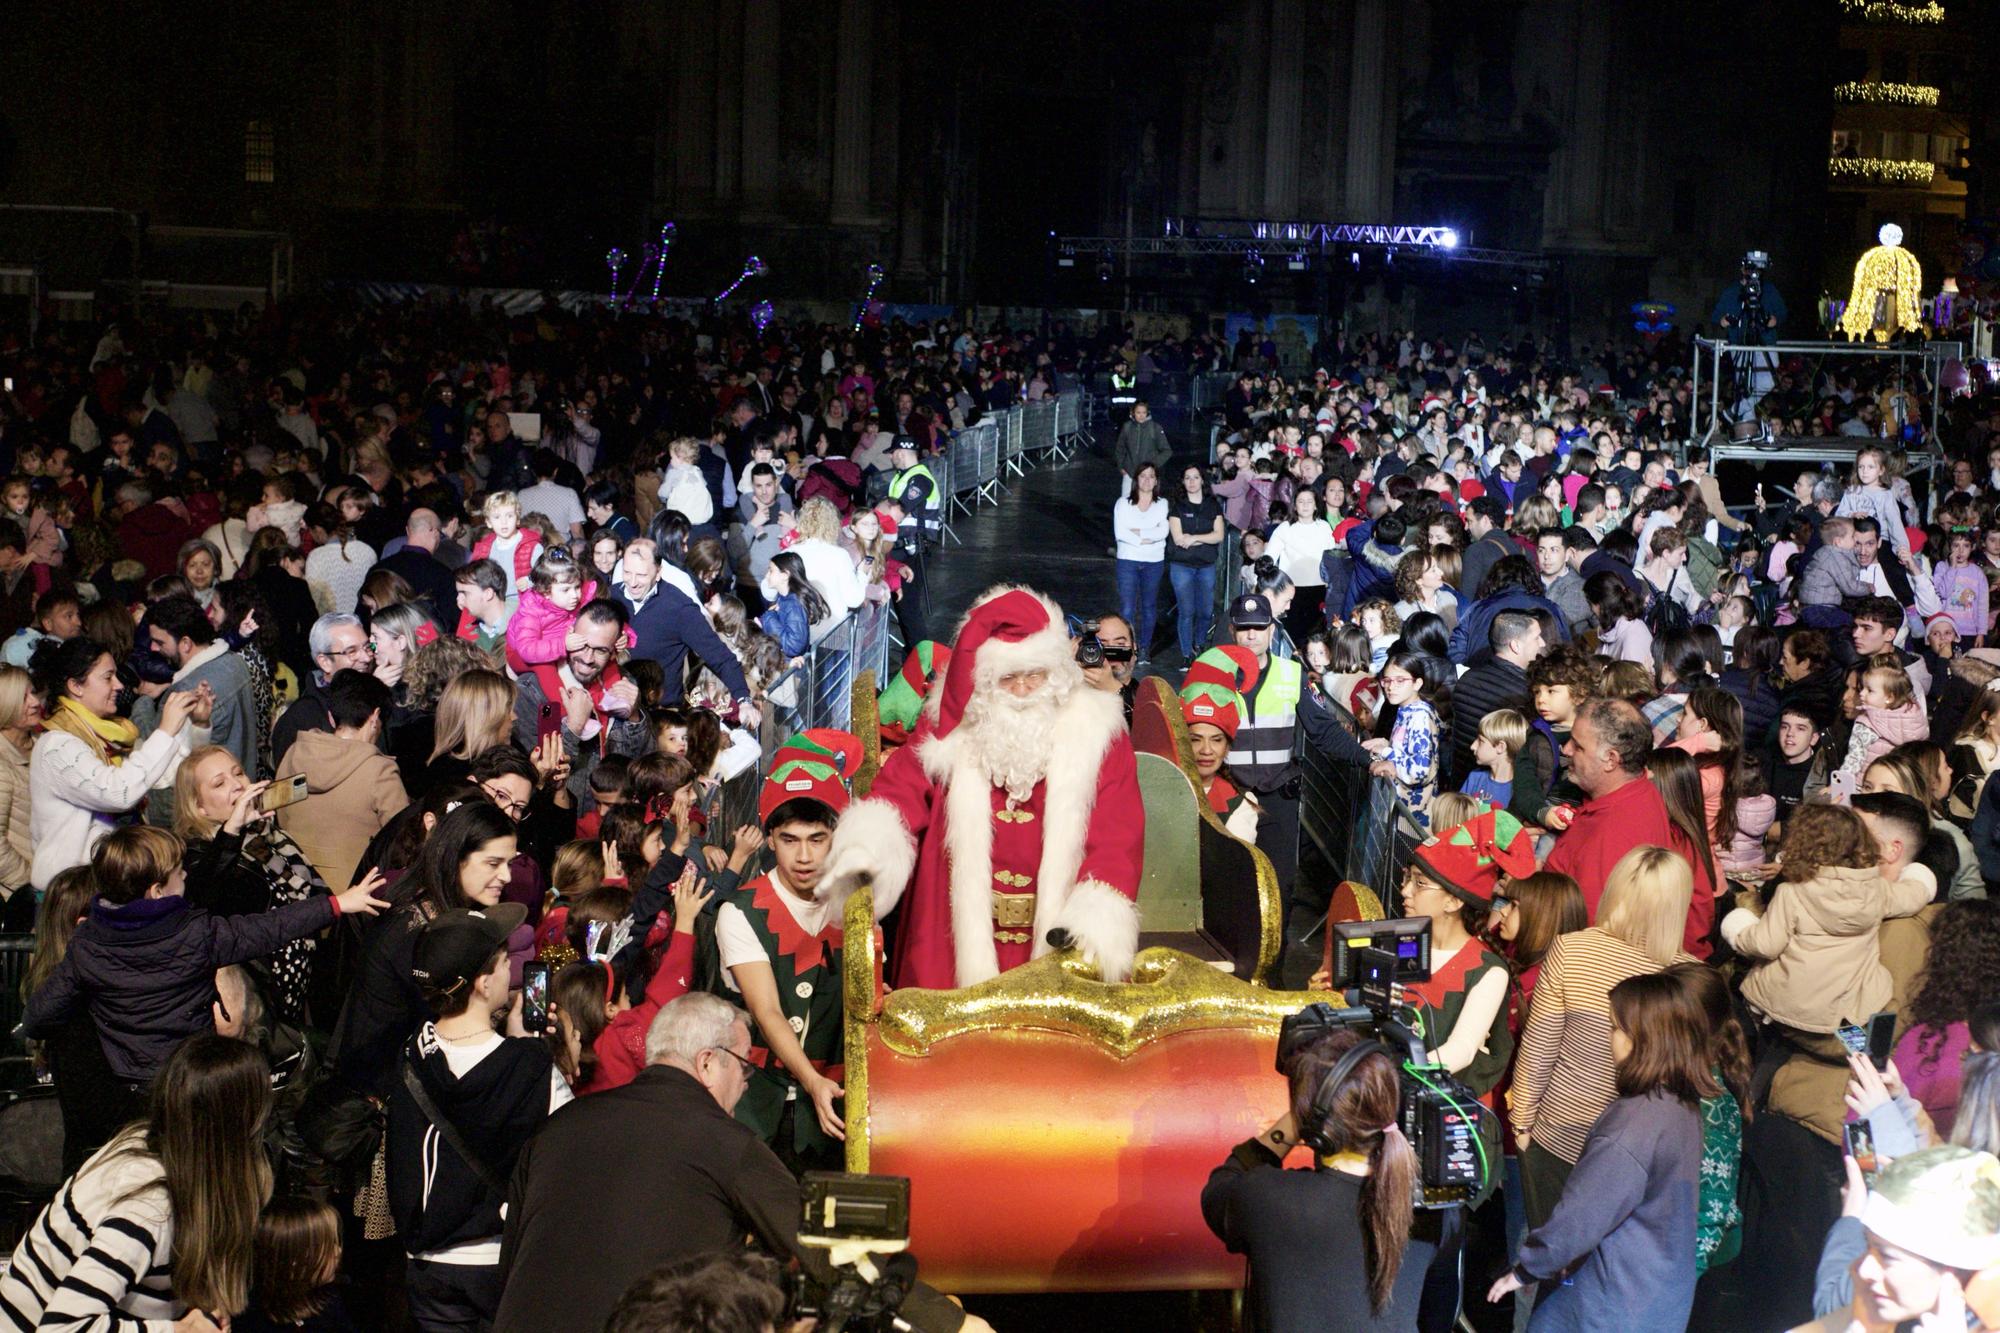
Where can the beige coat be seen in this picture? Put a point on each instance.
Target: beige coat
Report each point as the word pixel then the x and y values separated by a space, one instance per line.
pixel 17 849
pixel 352 790
pixel 1822 940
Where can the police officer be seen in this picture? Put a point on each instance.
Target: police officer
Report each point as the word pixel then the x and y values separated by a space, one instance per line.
pixel 914 488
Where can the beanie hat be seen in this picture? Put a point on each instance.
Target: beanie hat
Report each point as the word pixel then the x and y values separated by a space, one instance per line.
pixel 814 765
pixel 904 699
pixel 1214 687
pixel 1941 1204
pixel 1470 859
pixel 1008 630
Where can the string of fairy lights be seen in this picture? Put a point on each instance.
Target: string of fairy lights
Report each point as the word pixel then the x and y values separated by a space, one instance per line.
pixel 1906 172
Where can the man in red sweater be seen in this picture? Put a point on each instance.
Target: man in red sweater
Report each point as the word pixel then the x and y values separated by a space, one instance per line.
pixel 1606 753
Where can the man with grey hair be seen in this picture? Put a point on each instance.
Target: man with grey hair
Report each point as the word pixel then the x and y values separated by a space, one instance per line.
pixel 625 1180
pixel 338 642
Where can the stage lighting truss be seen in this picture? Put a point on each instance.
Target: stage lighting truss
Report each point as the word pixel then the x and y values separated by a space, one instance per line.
pixel 1300 243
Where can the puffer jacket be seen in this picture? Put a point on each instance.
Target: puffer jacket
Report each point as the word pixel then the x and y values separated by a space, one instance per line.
pixel 1831 575
pixel 1374 573
pixel 1822 946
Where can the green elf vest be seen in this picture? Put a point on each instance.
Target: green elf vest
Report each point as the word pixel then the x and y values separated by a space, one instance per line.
pixel 1445 993
pixel 806 969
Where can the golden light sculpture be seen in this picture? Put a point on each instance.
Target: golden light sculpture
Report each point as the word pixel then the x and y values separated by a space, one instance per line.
pixel 1886 94
pixel 1886 296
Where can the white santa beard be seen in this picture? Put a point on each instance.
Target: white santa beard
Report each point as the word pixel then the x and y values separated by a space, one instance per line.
pixel 1010 737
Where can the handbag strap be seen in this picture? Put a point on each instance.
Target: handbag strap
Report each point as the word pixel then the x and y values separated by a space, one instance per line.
pixel 415 1083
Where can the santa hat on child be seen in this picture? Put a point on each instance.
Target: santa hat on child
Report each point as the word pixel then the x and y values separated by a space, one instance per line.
pixel 1008 630
pixel 814 765
pixel 903 701
pixel 1471 859
pixel 1215 685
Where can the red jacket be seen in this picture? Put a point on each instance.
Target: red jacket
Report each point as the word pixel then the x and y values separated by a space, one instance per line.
pixel 621 1047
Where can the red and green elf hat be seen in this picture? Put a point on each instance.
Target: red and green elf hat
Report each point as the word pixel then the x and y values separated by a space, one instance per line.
pixel 900 704
pixel 1470 860
pixel 812 766
pixel 1213 689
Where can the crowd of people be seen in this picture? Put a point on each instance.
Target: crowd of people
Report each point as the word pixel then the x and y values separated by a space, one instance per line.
pixel 374 674
pixel 1700 790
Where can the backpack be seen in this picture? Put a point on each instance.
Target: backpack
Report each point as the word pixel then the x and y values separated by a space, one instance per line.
pixel 1664 615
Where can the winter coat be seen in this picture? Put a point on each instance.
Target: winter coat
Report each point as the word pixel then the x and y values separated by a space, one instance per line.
pixel 1821 940
pixel 1246 500
pixel 1880 730
pixel 1832 574
pixel 71 791
pixel 1754 817
pixel 17 843
pixel 147 971
pixel 352 790
pixel 1374 574
pixel 1140 443
pixel 686 493
pixel 1470 638
pixel 786 622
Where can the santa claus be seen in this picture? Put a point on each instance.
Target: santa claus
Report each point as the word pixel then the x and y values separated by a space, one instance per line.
pixel 1012 814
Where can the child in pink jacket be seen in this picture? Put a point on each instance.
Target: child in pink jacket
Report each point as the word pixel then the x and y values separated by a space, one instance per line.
pixel 1889 716
pixel 541 625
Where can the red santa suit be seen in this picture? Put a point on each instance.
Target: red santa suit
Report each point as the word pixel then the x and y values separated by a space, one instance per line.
pixel 983 876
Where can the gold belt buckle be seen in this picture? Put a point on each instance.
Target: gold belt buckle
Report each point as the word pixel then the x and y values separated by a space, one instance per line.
pixel 1013 909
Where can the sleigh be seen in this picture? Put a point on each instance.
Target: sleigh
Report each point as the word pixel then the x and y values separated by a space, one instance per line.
pixel 1058 1130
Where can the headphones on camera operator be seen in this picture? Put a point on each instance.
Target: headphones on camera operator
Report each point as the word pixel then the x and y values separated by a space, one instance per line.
pixel 1312 1130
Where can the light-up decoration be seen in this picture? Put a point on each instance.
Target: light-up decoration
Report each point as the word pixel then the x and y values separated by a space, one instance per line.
pixel 1890 11
pixel 761 315
pixel 667 230
pixel 753 267
pixel 1880 170
pixel 615 261
pixel 1886 297
pixel 875 276
pixel 1886 94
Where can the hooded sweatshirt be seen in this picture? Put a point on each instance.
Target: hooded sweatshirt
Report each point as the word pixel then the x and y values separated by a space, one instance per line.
pixel 352 790
pixel 1821 938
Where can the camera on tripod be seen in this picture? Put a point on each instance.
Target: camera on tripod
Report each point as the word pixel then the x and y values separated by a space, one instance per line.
pixel 1455 1138
pixel 862 1225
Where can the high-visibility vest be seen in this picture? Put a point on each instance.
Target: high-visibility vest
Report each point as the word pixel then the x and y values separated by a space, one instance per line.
pixel 1261 755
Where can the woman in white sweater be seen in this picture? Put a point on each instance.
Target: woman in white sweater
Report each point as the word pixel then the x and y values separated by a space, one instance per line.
pixel 89 766
pixel 1298 544
pixel 1140 520
pixel 158 1229
pixel 829 566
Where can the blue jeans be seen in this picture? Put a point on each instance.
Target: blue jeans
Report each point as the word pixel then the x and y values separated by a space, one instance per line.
pixel 1194 604
pixel 1139 599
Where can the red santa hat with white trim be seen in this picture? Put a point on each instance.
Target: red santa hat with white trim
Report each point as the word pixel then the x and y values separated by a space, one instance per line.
pixel 1008 630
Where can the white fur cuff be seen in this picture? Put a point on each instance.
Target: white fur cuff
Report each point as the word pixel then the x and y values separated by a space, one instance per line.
pixel 870 843
pixel 1739 920
pixel 1104 923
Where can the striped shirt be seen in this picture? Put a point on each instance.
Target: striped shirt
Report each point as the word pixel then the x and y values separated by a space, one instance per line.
pixel 1564 1075
pixel 98 1259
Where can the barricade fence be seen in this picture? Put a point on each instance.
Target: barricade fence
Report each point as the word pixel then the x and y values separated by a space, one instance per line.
pixel 1356 820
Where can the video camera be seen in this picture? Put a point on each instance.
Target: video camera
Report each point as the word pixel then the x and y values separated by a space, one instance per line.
pixel 1456 1140
pixel 862 1223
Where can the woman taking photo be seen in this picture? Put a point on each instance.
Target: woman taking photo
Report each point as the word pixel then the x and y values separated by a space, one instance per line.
pixel 1140 522
pixel 158 1228
pixel 89 766
pixel 20 720
pixel 1194 544
pixel 1330 1247
pixel 1564 1074
pixel 1616 1250
pixel 239 861
pixel 466 862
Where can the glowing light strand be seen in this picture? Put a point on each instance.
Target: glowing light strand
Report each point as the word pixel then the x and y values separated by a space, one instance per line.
pixel 761 315
pixel 1885 170
pixel 753 267
pixel 875 276
pixel 1890 11
pixel 1886 94
pixel 667 230
pixel 1886 270
pixel 615 259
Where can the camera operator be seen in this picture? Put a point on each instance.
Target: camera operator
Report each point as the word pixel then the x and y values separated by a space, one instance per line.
pixel 1108 657
pixel 655 1171
pixel 1338 1246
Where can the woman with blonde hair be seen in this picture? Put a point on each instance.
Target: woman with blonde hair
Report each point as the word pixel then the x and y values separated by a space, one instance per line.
pixel 1564 1074
pixel 396 631
pixel 20 719
pixel 829 566
pixel 474 714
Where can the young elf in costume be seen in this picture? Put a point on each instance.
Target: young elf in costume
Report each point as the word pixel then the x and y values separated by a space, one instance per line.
pixel 1454 879
pixel 780 954
pixel 1213 707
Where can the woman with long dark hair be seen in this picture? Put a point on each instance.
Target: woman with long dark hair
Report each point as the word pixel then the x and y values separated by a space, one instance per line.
pixel 1329 1247
pixel 160 1224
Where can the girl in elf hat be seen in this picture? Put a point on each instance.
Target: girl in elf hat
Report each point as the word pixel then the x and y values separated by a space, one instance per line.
pixel 1212 704
pixel 1453 880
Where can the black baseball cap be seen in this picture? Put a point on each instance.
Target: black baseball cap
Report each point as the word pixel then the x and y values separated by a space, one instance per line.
pixel 1251 610
pixel 455 947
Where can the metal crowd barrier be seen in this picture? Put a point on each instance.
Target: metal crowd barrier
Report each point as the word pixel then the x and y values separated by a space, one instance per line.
pixel 1357 821
pixel 1012 439
pixel 1038 429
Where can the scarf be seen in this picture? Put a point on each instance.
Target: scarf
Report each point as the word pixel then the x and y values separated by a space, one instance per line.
pixel 109 738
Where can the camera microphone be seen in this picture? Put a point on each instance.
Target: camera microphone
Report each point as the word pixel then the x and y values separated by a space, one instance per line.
pixel 1059 938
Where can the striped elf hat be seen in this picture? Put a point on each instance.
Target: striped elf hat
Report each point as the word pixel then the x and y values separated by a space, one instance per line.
pixel 900 704
pixel 814 765
pixel 1214 686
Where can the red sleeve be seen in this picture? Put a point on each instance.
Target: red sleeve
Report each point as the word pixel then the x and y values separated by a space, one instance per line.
pixel 1114 848
pixel 621 1047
